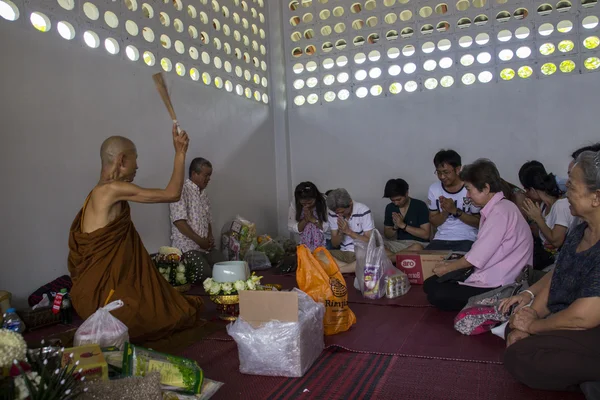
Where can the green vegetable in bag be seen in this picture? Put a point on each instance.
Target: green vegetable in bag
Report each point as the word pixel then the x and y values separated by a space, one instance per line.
pixel 177 374
pixel 273 250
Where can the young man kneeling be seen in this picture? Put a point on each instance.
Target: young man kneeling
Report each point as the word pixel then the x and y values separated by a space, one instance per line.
pixel 406 221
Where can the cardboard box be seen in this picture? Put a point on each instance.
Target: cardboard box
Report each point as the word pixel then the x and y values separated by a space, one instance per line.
pixel 419 265
pixel 278 333
pixel 258 307
pixel 91 361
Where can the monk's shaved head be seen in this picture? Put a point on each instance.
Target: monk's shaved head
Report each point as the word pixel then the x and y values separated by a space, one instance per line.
pixel 114 146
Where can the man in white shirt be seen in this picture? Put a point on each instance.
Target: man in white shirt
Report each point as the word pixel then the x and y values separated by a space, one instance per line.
pixel 191 216
pixel 450 210
pixel 349 221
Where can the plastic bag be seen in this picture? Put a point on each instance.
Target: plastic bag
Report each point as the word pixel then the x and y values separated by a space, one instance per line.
pixel 238 237
pixel 103 329
pixel 257 260
pixel 176 373
pixel 272 249
pixel 319 276
pixel 288 245
pixel 209 388
pixel 281 348
pixel 372 266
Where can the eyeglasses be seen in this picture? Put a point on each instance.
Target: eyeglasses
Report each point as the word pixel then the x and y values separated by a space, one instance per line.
pixel 442 173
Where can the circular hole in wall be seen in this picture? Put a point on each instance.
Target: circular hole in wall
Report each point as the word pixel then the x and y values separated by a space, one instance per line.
pixel 91 11
pixel 65 30
pixel 91 39
pixel 132 53
pixel 111 45
pixel 149 58
pixel 131 28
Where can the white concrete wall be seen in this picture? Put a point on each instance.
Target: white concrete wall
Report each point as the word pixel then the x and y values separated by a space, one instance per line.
pixel 360 144
pixel 61 100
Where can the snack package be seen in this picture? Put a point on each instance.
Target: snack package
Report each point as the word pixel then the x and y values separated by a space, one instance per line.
pixel 177 374
pixel 114 359
pixel 238 237
pixel 103 329
pixel 89 360
pixel 396 285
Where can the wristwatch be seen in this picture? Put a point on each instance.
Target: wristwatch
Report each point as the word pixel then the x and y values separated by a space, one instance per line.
pixel 457 214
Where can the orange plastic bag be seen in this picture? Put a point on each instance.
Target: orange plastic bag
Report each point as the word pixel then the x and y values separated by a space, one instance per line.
pixel 319 276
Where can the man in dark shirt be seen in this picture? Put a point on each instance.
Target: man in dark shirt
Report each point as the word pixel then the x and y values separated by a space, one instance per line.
pixel 406 219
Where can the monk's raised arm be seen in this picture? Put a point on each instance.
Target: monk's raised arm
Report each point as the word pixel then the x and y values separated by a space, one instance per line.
pixel 131 192
pixel 127 191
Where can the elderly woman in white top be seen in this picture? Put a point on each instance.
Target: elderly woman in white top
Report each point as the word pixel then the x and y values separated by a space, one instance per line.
pixel 308 215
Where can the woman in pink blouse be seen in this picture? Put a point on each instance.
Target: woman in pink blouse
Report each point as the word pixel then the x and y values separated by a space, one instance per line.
pixel 503 247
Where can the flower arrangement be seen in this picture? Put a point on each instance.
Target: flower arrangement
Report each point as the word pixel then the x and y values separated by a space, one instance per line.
pixel 12 347
pixel 169 262
pixel 228 288
pixel 38 374
pixel 171 254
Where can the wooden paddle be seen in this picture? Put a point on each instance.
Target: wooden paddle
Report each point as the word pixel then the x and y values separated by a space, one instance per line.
pixel 161 86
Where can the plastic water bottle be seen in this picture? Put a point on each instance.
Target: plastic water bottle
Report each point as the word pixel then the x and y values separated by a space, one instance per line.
pixel 12 321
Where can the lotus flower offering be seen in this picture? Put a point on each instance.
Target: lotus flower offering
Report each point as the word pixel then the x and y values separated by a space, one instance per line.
pixel 225 294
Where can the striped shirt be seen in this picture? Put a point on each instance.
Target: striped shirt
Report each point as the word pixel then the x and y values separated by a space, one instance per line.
pixel 360 222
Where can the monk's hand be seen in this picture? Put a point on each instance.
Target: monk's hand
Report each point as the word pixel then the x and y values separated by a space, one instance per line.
pixel 211 242
pixel 180 140
pixel 523 319
pixel 514 336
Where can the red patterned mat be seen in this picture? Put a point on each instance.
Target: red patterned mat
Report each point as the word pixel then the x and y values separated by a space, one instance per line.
pixel 342 375
pixel 409 331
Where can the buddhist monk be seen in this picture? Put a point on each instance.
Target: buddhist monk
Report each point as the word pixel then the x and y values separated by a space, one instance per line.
pixel 106 252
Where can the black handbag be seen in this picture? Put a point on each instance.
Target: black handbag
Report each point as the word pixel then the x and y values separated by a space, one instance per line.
pixel 459 275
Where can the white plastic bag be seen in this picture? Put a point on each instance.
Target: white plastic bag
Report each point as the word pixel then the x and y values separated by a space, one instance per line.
pixel 281 348
pixel 372 266
pixel 103 329
pixel 257 260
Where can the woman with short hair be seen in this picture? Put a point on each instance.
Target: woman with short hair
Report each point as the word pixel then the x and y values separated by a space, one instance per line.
pixel 503 247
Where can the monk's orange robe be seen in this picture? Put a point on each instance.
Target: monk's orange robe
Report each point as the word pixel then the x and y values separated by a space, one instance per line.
pixel 114 257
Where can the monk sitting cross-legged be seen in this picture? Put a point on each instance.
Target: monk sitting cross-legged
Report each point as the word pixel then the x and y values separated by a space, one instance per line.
pixel 106 251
